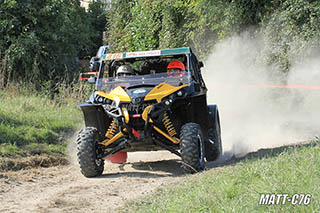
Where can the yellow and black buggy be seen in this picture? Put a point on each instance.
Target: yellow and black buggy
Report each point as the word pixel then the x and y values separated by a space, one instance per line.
pixel 149 110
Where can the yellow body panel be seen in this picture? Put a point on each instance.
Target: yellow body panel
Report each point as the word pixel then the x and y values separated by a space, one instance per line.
pixel 117 92
pixel 126 115
pixel 161 91
pixel 145 113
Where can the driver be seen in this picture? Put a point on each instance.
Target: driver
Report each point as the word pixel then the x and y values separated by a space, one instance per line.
pixel 175 67
pixel 125 70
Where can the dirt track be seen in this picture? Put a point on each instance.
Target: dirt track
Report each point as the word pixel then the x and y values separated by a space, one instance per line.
pixel 64 189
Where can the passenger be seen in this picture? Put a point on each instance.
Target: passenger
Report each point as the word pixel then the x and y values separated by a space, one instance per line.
pixel 175 67
pixel 124 70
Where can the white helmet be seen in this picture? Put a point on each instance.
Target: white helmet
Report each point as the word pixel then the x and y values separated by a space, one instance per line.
pixel 124 70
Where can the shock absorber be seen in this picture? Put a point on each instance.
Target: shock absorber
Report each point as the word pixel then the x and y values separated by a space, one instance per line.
pixel 113 127
pixel 168 125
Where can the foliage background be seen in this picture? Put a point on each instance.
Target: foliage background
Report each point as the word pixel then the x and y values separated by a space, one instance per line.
pixel 42 40
pixel 289 27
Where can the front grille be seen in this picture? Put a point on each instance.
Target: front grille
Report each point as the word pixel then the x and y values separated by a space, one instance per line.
pixel 135 108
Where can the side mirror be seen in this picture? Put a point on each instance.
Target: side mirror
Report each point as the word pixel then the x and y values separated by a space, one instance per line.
pixel 92 80
pixel 201 64
pixel 94 67
pixel 95 58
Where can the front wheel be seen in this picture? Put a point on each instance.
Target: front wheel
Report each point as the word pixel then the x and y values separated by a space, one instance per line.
pixel 192 147
pixel 87 152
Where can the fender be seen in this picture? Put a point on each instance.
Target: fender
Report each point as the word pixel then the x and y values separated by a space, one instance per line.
pixel 196 111
pixel 94 116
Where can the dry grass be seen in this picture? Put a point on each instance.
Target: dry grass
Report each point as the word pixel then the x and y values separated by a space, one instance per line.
pixel 20 163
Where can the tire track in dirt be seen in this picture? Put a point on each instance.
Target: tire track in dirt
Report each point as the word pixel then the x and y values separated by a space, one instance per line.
pixel 65 189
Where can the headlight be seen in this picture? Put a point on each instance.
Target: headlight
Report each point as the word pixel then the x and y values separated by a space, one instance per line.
pixel 179 93
pixel 168 101
pixel 176 95
pixel 102 100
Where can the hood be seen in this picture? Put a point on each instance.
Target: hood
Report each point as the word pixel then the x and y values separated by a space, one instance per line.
pixel 138 93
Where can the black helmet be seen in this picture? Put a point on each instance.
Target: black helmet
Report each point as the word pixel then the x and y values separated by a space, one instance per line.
pixel 124 70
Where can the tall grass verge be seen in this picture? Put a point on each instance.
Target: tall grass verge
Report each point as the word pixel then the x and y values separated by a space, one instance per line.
pixel 35 122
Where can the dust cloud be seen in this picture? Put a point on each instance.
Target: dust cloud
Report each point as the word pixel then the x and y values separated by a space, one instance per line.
pixel 252 115
pixel 71 149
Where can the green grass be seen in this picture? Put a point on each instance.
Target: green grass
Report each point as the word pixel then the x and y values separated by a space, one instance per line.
pixel 238 185
pixel 33 123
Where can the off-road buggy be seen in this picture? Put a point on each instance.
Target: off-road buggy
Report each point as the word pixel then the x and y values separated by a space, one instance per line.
pixel 151 110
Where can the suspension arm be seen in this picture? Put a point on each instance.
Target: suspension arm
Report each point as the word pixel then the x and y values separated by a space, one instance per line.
pixel 158 142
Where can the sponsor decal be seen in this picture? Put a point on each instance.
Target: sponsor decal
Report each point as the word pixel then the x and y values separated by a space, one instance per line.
pixel 143 53
pixel 113 56
pixel 138 91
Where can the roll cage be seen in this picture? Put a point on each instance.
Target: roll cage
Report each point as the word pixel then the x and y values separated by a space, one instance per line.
pixel 152 62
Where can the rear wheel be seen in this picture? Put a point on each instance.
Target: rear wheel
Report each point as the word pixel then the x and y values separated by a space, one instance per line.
pixel 213 145
pixel 192 147
pixel 87 152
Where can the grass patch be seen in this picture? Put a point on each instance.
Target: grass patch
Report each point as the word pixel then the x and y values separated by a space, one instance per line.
pixel 34 123
pixel 33 149
pixel 237 187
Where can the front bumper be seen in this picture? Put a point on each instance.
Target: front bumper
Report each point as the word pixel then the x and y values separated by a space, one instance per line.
pixel 127 138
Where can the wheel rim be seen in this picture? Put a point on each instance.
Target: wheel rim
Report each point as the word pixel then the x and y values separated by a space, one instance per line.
pixel 218 132
pixel 201 151
pixel 98 160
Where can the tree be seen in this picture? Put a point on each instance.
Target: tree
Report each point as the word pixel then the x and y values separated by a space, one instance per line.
pixel 291 31
pixel 42 39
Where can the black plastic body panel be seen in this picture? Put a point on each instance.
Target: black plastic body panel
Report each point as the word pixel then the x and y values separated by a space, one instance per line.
pixel 197 112
pixel 94 116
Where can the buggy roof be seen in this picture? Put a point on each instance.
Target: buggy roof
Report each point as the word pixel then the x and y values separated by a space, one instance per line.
pixel 151 53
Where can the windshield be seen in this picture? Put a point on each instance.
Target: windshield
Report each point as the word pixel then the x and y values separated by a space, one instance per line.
pixel 150 80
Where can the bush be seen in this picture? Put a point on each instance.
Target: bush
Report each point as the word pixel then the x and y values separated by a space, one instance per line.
pixel 41 40
pixel 291 31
